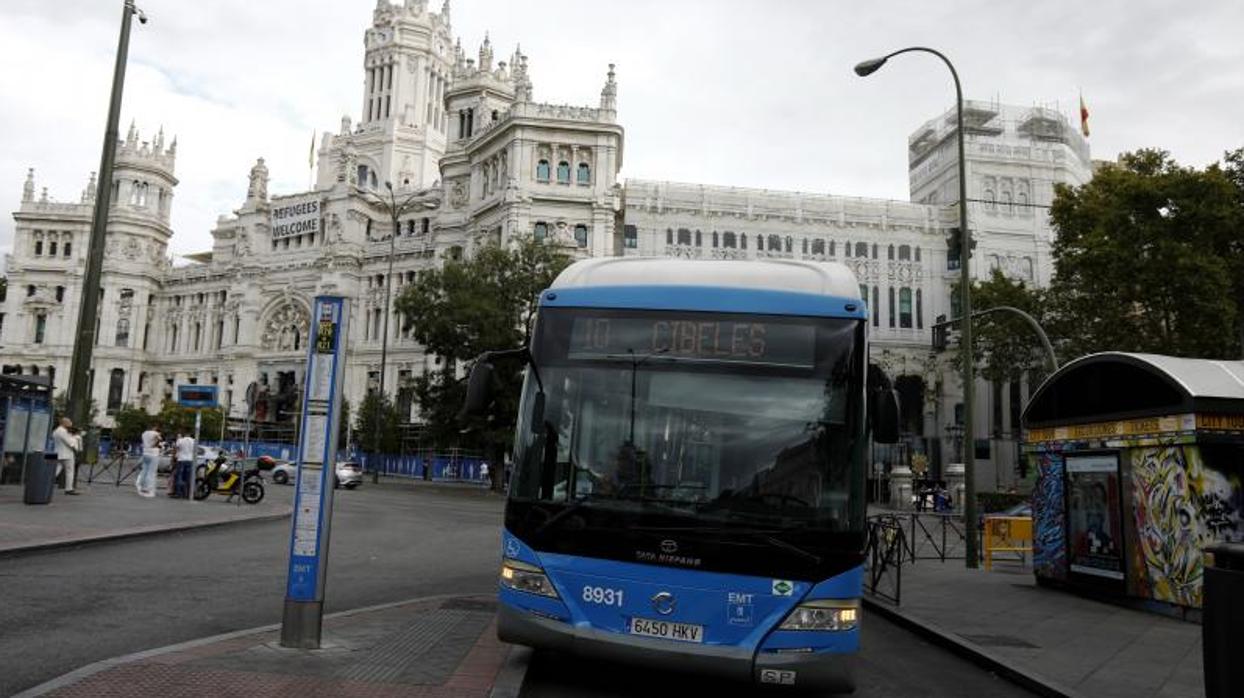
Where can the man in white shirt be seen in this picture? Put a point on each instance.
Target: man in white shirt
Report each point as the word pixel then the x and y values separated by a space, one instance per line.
pixel 145 484
pixel 66 443
pixel 185 465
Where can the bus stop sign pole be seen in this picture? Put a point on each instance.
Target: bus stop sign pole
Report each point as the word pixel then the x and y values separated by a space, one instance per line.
pixel 313 491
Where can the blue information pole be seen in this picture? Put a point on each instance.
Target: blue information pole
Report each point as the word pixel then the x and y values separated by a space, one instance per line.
pixel 313 492
pixel 196 397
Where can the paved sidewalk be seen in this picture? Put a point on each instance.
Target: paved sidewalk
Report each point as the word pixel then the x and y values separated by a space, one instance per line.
pixel 1069 644
pixel 104 511
pixel 443 646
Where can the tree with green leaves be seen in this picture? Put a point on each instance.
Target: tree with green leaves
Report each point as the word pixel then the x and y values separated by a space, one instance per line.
pixel 374 404
pixel 175 419
pixel 1147 258
pixel 1004 345
pixel 485 303
pixel 129 423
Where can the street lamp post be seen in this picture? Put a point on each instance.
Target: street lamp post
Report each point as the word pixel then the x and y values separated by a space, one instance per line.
pixel 396 211
pixel 965 294
pixel 79 392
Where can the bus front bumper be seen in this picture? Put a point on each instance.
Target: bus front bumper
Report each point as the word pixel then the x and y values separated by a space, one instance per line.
pixel 830 672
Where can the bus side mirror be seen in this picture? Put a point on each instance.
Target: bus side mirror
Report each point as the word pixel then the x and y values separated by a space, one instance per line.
pixel 885 416
pixel 479 390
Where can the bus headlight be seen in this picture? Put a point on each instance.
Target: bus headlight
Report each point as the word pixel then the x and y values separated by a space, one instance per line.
pixel 521 576
pixel 825 614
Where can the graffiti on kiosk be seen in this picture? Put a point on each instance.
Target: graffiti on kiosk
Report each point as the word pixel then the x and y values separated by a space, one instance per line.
pixel 1180 504
pixel 1049 545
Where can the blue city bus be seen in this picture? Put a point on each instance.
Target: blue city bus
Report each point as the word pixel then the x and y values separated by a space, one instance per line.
pixel 689 467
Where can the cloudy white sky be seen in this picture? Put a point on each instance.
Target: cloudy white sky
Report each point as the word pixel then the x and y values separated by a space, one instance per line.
pixel 751 93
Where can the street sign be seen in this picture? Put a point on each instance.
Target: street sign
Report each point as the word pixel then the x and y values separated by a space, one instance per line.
pixel 197 395
pixel 313 491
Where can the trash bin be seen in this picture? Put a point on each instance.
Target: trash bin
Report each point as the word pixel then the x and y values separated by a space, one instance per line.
pixel 39 479
pixel 1222 620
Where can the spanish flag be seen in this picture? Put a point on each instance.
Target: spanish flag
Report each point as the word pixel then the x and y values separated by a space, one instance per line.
pixel 1083 117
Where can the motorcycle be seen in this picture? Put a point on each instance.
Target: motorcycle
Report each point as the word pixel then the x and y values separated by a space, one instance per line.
pixel 225 478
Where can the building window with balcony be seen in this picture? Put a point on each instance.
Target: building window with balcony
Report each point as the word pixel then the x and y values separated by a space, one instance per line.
pixel 542 171
pixel 584 174
pixel 563 172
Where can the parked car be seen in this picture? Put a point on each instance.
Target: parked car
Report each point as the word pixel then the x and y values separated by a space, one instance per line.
pixel 348 474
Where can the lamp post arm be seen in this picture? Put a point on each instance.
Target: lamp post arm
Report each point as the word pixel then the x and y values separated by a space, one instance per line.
pixel 1032 322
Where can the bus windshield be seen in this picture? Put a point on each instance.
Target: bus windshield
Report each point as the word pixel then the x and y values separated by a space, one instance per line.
pixel 713 418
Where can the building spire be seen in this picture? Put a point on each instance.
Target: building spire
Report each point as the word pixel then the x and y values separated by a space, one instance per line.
pixel 445 13
pixel 485 55
pixel 609 95
pixel 28 189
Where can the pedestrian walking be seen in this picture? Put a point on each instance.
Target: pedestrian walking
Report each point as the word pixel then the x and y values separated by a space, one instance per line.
pixel 152 443
pixel 185 465
pixel 483 473
pixel 67 444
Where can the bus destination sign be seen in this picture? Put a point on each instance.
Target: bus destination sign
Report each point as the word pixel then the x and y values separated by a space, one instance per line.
pixel 735 341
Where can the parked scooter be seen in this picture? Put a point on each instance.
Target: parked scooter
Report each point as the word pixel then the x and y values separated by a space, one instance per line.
pixel 226 478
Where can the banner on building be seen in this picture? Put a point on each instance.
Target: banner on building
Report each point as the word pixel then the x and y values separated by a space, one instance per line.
pixel 297 217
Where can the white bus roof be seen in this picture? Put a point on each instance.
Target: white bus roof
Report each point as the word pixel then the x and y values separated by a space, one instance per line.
pixel 822 278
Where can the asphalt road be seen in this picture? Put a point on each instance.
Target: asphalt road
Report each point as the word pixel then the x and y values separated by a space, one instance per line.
pixel 64 609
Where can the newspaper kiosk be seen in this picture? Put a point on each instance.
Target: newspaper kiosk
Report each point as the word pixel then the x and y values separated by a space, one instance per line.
pixel 1139 461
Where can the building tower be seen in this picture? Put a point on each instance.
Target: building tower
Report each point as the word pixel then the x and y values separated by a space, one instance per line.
pixel 402 128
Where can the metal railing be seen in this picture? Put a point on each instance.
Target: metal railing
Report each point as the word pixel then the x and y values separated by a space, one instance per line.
pixel 884 557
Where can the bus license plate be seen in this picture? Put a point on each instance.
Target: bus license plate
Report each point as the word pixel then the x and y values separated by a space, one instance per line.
pixel 681 632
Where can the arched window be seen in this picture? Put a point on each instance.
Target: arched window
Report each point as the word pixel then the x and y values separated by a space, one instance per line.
pixel 790 244
pixel 890 253
pixel 818 247
pixel 1006 201
pixel 699 238
pixel 52 247
pixel 669 236
pixel 991 201
pixel 123 333
pixel 861 249
pixel 684 236
pixel 919 309
pixel 904 253
pixel 116 388
pixel 760 243
pixel 542 171
pixel 774 243
pixel 917 254
pixel 833 248
pixel 743 241
pixel 580 235
pixel 891 294
pixel 716 239
pixel 563 172
pixel 584 175
pixel 876 304
pixel 541 230
pixel 904 308
pixel 362 173
pixel 805 245
pixel 38 245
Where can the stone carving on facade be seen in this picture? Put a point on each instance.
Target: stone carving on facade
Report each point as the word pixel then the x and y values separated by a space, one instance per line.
pixel 286 328
pixel 905 272
pixel 132 249
pixel 257 191
pixel 458 193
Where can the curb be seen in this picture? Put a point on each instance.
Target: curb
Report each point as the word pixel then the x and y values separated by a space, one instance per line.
pixel 139 533
pixel 972 652
pixel 509 678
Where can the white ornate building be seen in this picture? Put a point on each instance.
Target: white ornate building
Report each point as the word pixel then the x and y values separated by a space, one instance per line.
pixel 485 162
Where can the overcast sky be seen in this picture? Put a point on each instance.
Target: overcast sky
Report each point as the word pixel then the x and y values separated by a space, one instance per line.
pixel 751 93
